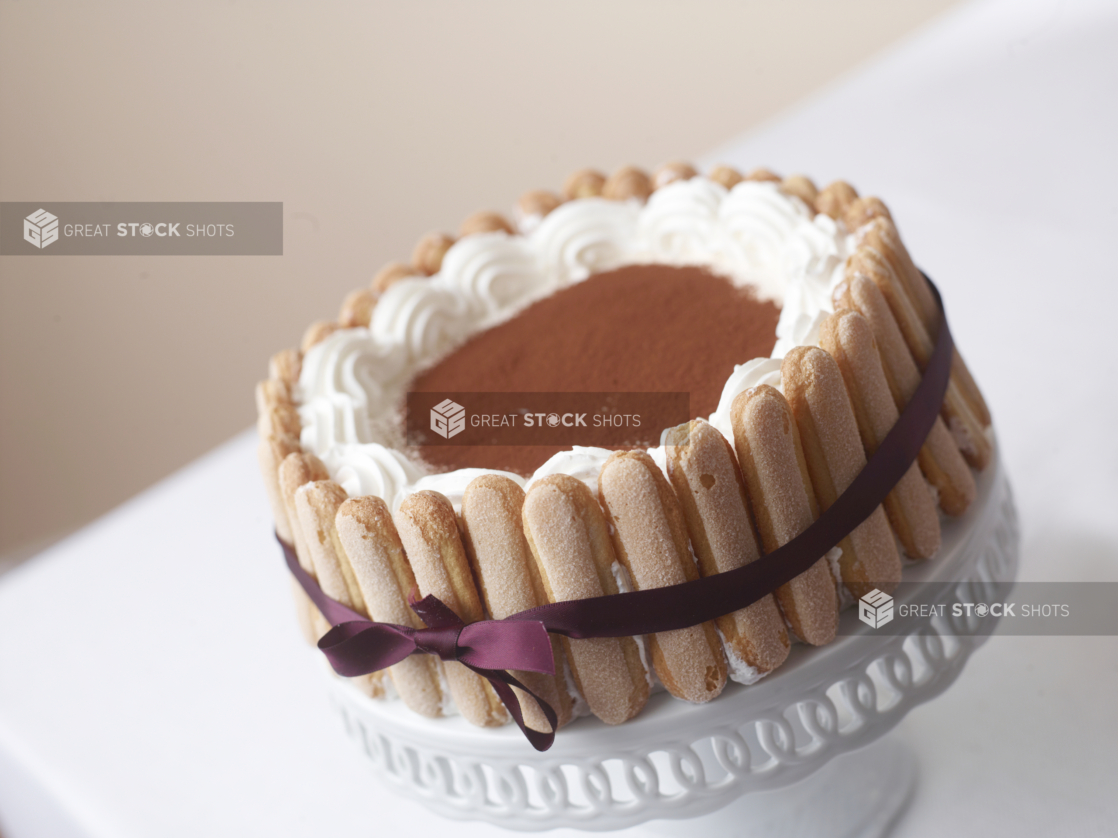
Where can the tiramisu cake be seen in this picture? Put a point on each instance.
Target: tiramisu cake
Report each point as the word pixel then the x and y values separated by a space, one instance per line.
pixel 794 320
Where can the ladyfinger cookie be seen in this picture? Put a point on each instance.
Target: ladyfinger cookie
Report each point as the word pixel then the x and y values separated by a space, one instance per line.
pixel 392 273
pixel 726 176
pixel 585 183
pixel 880 234
pixel 509 581
pixel 533 207
pixel 650 540
pixel 306 613
pixel 270 454
pixel 711 493
pixel 847 336
pixel 317 506
pixel 957 413
pixel 671 172
pixel 784 505
pixel 961 375
pixel 357 308
pixel 567 535
pixel 275 412
pixel 285 366
pixel 834 198
pixel 385 579
pixel 484 221
pixel 763 174
pixel 429 532
pixel 279 419
pixel 802 188
pixel 317 332
pixel 627 182
pixel 833 450
pixel 940 459
pixel 429 251
pixel 297 469
pixel 271 391
pixel 862 211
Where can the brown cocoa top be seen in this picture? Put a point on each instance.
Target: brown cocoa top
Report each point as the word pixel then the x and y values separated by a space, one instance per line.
pixel 642 328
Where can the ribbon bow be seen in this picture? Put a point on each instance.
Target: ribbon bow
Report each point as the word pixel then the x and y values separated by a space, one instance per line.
pixel 357 646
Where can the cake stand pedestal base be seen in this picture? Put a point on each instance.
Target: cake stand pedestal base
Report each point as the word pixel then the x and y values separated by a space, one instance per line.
pixel 857 795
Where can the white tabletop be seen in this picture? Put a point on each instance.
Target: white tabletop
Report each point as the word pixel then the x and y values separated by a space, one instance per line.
pixel 151 678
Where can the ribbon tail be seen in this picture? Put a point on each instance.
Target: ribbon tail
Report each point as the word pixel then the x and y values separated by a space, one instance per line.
pixel 502 683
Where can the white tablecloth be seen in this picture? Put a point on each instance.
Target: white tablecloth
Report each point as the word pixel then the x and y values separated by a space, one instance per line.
pixel 151 679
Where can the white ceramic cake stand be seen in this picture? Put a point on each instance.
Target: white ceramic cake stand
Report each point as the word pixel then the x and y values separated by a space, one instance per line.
pixel 756 761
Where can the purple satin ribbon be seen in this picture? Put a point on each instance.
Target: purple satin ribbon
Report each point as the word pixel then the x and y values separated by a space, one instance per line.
pixel 357 646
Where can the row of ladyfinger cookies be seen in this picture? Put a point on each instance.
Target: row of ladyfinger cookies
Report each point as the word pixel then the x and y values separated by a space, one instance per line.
pixel 884 319
pixel 510 551
pixel 561 543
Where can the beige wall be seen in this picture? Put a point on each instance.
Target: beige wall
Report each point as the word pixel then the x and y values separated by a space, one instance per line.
pixel 373 123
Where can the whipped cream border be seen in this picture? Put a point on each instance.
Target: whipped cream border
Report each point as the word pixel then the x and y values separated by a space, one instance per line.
pixel 353 382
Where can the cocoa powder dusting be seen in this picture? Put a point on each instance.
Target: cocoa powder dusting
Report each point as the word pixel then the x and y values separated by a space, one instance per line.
pixel 642 328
